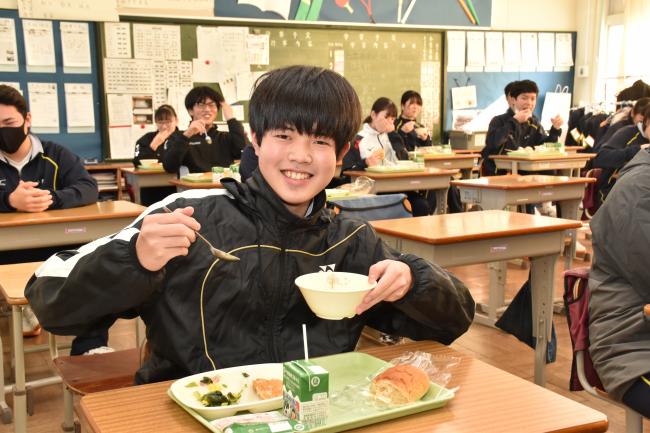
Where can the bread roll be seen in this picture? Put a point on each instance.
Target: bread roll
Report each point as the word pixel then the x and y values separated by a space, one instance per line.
pixel 400 384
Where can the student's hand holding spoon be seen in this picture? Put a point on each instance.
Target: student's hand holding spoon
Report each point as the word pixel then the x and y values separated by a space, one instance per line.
pixel 164 236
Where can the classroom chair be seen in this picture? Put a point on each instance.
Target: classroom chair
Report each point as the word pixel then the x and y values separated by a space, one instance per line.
pixel 86 374
pixel 583 374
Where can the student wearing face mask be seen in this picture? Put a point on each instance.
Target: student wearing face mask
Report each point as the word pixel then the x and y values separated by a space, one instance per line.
pixel 412 133
pixel 36 175
pixel 517 127
pixel 619 150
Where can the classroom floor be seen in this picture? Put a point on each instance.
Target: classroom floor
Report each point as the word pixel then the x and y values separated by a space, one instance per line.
pixel 487 344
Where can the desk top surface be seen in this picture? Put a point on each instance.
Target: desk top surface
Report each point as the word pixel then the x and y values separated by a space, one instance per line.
pixel 470 226
pixel 108 166
pixel 13 279
pixel 195 185
pixel 487 397
pixel 515 181
pixel 534 157
pixel 139 172
pixel 453 156
pixel 97 211
pixel 426 172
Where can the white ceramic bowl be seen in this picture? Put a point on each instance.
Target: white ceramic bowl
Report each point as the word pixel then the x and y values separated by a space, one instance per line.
pixel 149 162
pixel 334 302
pixel 235 381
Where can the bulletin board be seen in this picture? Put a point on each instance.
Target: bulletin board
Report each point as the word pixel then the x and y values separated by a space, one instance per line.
pixel 377 62
pixel 490 85
pixel 87 144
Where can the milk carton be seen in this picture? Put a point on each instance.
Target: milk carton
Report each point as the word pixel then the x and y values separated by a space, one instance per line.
pixel 305 390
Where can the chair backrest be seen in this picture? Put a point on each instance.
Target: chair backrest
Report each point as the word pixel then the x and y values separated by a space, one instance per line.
pixel 591 200
pixel 576 303
pixel 372 208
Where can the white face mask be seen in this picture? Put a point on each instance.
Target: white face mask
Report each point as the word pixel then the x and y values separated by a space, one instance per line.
pixel 641 129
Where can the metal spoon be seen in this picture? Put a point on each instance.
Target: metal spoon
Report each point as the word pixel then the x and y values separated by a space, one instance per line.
pixel 215 251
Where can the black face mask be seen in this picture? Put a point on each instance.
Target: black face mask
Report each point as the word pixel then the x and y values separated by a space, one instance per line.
pixel 11 138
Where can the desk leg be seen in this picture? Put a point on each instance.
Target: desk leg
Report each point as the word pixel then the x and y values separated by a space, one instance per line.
pixel 441 201
pixel 20 396
pixel 543 274
pixel 514 169
pixel 569 209
pixel 5 412
pixel 496 294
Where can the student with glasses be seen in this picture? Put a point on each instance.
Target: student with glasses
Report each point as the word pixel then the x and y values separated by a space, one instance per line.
pixel 201 146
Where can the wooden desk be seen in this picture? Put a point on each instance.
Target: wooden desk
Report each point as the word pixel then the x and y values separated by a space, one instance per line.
pixel 13 279
pixel 182 185
pixel 573 149
pixel 497 192
pixel 463 162
pixel 21 230
pixel 490 236
pixel 489 400
pixel 566 163
pixel 139 179
pixel 431 178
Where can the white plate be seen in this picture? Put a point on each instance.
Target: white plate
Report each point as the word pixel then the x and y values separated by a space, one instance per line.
pixel 235 381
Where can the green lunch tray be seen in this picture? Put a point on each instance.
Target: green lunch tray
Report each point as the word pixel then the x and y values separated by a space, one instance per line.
pixel 203 179
pixel 354 369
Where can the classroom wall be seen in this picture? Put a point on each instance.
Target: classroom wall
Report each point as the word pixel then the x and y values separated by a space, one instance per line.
pixel 542 15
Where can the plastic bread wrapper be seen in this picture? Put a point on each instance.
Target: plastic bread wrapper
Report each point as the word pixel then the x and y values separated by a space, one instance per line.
pixel 357 396
pixel 362 185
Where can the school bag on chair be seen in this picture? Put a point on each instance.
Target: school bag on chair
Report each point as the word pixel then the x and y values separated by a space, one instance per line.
pixel 376 207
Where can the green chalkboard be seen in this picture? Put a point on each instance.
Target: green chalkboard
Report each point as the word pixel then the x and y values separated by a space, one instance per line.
pixel 378 62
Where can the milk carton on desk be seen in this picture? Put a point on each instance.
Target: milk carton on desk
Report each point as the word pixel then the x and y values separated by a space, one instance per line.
pixel 305 390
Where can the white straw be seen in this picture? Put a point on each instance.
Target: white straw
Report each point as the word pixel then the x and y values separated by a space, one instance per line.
pixel 304 341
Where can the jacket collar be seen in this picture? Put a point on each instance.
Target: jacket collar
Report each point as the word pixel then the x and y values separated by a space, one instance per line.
pixel 259 198
pixel 367 130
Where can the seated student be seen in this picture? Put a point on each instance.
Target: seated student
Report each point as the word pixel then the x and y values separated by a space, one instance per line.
pixel 201 147
pixel 373 146
pixel 619 333
pixel 517 127
pixel 413 134
pixel 201 314
pixel 35 176
pixel 152 145
pixel 634 117
pixel 620 149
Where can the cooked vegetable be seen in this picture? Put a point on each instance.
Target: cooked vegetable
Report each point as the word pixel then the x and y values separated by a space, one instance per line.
pixel 217 398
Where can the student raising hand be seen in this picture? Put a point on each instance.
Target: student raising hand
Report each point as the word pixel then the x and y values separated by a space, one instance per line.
pixel 164 236
pixel 394 280
pixel 27 198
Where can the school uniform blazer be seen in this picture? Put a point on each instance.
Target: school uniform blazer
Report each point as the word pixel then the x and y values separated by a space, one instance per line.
pixel 56 169
pixel 199 156
pixel 618 150
pixel 611 130
pixel 618 332
pixel 202 313
pixel 505 133
pixel 410 139
pixel 143 148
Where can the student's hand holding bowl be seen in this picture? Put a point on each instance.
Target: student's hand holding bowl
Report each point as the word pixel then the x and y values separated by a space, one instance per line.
pixel 394 281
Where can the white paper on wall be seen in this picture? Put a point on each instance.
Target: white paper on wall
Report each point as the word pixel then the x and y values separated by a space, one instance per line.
pixel 75 45
pixel 8 49
pixel 39 46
